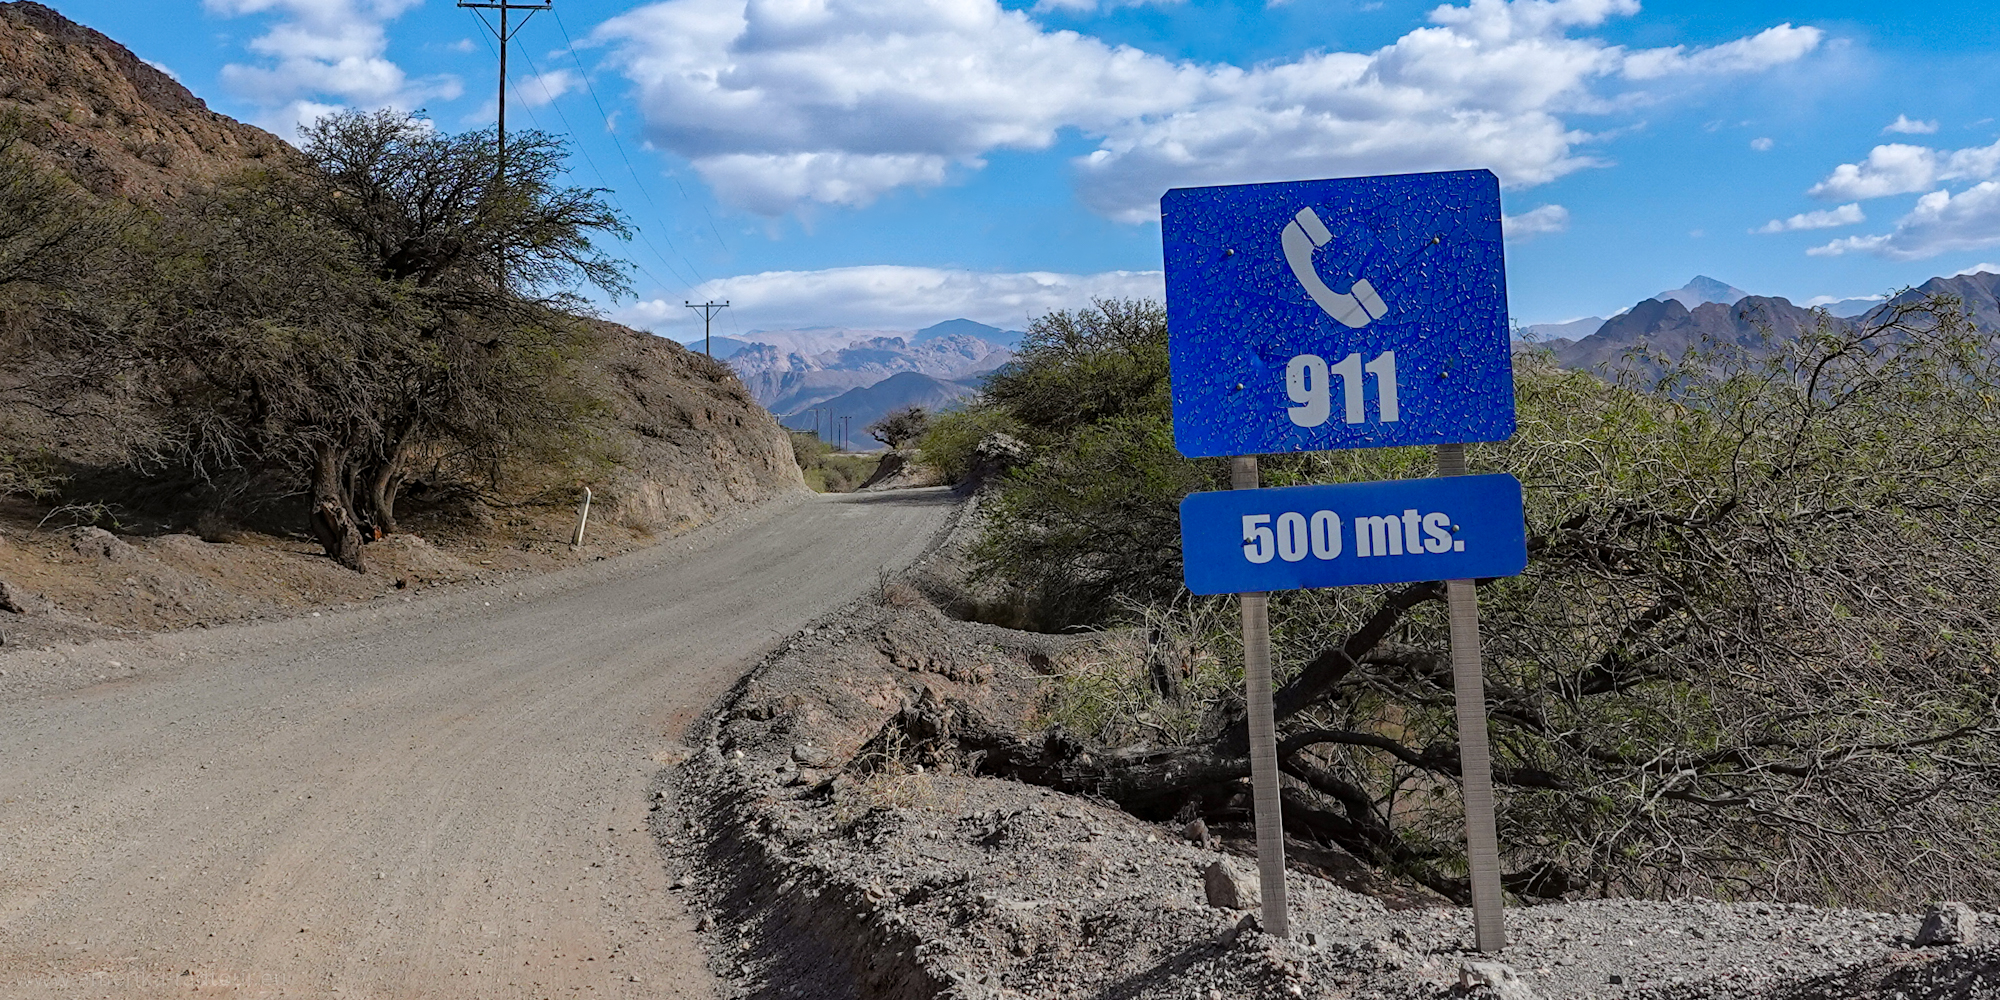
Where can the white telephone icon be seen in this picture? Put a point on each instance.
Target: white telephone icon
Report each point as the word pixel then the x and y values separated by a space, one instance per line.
pixel 1357 308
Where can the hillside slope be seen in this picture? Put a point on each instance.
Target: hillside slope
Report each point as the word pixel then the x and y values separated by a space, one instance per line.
pixel 695 442
pixel 112 122
pixel 677 441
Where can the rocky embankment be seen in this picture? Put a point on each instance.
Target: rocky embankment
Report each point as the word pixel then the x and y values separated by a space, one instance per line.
pixel 832 862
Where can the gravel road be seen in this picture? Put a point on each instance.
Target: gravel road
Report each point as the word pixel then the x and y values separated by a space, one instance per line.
pixel 438 798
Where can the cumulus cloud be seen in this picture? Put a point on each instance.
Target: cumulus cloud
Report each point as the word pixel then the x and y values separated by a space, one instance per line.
pixel 1763 143
pixel 778 103
pixel 318 51
pixel 1905 125
pixel 1897 168
pixel 892 297
pixel 1941 222
pixel 545 88
pixel 1092 6
pixel 1845 215
pixel 1534 222
pixel 1764 50
pixel 1979 268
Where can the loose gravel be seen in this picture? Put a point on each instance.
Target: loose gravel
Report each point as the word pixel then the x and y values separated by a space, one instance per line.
pixel 832 877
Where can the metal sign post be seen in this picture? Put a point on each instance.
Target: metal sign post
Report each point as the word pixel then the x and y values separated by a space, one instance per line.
pixel 1263 737
pixel 1367 312
pixel 1475 756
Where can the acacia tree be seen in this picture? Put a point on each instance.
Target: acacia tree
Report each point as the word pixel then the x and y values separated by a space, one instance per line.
pixel 266 343
pixel 493 255
pixel 901 427
pixel 1753 651
pixel 58 243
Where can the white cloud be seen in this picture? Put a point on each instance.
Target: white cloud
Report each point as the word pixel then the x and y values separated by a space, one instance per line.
pixel 778 103
pixel 1827 300
pixel 1092 6
pixel 892 297
pixel 1845 215
pixel 164 68
pixel 545 88
pixel 1534 222
pixel 1980 268
pixel 1897 168
pixel 1890 169
pixel 1904 125
pixel 1940 223
pixel 325 50
pixel 1764 50
pixel 1763 144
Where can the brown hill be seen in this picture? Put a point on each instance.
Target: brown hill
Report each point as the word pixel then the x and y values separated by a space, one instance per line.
pixel 686 442
pixel 102 115
pixel 1670 328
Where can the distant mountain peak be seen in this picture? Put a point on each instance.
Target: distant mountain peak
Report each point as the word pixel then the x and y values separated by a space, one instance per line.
pixel 1703 289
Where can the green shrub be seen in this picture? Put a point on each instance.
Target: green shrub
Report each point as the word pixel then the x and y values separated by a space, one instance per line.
pixel 827 472
pixel 948 443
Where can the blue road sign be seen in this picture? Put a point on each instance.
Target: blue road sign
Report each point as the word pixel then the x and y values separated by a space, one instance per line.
pixel 1398 531
pixel 1357 313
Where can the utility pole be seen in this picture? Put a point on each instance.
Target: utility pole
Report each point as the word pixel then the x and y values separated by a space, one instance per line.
pixel 843 431
pixel 707 311
pixel 505 33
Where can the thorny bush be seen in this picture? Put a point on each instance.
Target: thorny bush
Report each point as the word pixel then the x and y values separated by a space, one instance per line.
pixel 1752 654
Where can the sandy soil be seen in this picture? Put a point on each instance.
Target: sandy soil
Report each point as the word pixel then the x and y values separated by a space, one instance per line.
pixel 439 795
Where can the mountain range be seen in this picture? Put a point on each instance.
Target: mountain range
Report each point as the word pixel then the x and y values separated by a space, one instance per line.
pixel 1668 324
pixel 814 376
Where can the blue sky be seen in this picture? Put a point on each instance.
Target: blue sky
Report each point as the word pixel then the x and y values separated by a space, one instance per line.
pixel 891 163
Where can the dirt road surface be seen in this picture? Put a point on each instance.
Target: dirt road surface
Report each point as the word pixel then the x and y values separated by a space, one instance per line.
pixel 442 798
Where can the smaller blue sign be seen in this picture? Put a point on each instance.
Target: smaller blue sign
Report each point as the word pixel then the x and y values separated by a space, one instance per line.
pixel 1399 531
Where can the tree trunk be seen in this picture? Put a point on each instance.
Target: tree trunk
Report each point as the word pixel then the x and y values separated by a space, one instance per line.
pixel 383 486
pixel 332 521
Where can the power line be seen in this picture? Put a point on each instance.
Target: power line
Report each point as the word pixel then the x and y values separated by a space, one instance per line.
pixel 621 146
pixel 572 132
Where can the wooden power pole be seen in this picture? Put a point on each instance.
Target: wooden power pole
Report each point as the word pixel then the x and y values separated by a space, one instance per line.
pixel 707 311
pixel 505 33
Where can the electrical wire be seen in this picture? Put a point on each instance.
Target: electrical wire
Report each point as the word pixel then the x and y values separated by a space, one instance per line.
pixel 712 228
pixel 570 130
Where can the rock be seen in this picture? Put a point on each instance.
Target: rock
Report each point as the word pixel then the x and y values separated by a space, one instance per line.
pixel 1244 925
pixel 811 756
pixel 1497 978
pixel 1196 832
pixel 97 543
pixel 1230 889
pixel 19 601
pixel 995 454
pixel 1948 924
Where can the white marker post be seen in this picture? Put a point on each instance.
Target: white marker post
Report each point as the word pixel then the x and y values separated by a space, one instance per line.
pixel 1475 757
pixel 1263 737
pixel 582 518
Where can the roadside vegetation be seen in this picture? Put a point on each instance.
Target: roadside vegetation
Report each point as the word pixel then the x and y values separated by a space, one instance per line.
pixel 393 314
pixel 829 471
pixel 1753 654
pixel 901 428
